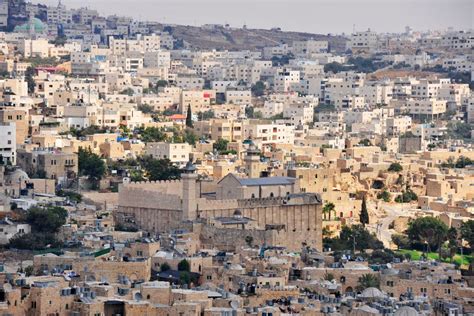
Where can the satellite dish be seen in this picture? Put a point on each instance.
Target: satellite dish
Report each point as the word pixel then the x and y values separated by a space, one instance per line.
pixel 234 305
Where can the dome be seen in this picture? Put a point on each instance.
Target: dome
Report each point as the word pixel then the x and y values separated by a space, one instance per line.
pixel 372 292
pixel 406 311
pixel 38 26
pixel 16 176
pixel 237 214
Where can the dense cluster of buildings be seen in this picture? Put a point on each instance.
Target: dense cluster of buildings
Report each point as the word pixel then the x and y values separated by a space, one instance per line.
pixel 275 148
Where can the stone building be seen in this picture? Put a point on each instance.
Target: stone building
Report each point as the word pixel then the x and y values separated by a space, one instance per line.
pixel 162 206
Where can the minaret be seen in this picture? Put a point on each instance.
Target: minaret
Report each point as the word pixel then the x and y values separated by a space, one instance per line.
pixel 252 161
pixel 188 178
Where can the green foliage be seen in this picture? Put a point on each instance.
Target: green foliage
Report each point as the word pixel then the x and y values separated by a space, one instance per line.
pixel 355 235
pixel 459 130
pixel 382 256
pixel 249 240
pixel 258 89
pixel 165 267
pixel 34 241
pixel 328 276
pixel 184 265
pixel 334 67
pixel 220 145
pixel 401 241
pixel 128 91
pixel 385 196
pixel 153 134
pixel 328 208
pixel 162 83
pixel 368 280
pixel 29 74
pixel 283 60
pixel 461 162
pixel 406 197
pixel 125 228
pixel 90 164
pixel 364 214
pixel 395 167
pixel 189 117
pixel 72 196
pixel 146 109
pixel 90 130
pixel 467 232
pixel 160 169
pixel 190 138
pixel 428 230
pixel 207 115
pixel 365 142
pixel 323 107
pixel 60 40
pixel 46 219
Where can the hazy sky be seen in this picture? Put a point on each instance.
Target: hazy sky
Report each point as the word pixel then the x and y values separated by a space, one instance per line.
pixel 317 16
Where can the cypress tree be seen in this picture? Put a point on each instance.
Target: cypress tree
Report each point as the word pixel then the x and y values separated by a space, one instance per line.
pixel 364 214
pixel 189 117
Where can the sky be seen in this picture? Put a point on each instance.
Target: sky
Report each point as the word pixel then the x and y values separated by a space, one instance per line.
pixel 315 16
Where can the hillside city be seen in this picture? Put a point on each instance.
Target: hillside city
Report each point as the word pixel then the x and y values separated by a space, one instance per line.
pixel 161 169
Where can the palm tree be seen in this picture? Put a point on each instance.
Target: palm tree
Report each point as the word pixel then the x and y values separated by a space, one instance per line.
pixel 327 209
pixel 368 280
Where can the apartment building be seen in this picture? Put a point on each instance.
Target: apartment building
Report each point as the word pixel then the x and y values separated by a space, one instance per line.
pixel 20 120
pixel 269 133
pixel 49 163
pixel 8 143
pixel 363 41
pixel 176 153
pixel 239 97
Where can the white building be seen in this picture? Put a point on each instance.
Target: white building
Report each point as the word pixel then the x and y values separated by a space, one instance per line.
pixel 8 142
pixel 177 153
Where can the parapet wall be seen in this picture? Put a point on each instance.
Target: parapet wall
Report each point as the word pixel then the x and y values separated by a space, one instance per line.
pixel 138 197
pixel 167 186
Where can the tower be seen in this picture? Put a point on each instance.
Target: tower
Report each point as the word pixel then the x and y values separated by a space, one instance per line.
pixel 188 178
pixel 252 161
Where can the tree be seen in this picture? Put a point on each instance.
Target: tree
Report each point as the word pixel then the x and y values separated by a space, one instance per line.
pixel 190 137
pixel 90 164
pixel 384 195
pixel 249 240
pixel 334 67
pixel 161 169
pixel 401 241
pixel 189 117
pixel 153 134
pixel 428 230
pixel 162 83
pixel 395 167
pixel 258 89
pixel 128 91
pixel 328 277
pixel 220 145
pixel 368 280
pixel 327 209
pixel 165 267
pixel 467 232
pixel 364 214
pixel 145 108
pixel 184 265
pixel 46 219
pixel 29 74
pixel 356 236
pixel 206 115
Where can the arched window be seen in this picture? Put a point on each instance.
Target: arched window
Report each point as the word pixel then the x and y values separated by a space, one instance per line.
pixel 271 194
